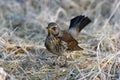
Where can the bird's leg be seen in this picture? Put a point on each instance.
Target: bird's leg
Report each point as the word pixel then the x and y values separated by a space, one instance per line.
pixel 61 61
pixel 64 45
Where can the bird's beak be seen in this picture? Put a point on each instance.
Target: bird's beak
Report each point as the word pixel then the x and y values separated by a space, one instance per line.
pixel 49 28
pixel 46 27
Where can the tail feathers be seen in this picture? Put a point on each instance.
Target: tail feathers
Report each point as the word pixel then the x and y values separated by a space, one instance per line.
pixel 79 22
pixel 83 22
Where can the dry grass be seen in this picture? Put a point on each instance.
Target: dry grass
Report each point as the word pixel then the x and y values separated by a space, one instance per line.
pixel 22 34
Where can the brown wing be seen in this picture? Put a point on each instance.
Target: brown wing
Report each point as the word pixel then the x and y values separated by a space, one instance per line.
pixel 72 44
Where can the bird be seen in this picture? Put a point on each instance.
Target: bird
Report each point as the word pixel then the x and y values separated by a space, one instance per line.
pixel 59 41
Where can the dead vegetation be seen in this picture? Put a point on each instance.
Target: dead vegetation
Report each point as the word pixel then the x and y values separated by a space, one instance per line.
pixel 23 31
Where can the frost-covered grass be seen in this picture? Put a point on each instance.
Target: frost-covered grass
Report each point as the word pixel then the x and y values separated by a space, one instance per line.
pixel 23 30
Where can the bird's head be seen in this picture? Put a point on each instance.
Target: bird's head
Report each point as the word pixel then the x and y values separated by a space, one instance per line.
pixel 53 28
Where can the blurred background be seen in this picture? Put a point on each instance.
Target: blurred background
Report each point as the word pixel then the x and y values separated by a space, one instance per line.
pixel 24 22
pixel 28 19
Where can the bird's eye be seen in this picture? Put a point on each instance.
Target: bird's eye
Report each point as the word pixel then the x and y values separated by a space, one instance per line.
pixel 54 28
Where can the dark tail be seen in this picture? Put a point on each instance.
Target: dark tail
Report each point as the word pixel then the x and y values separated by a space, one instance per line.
pixel 79 22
